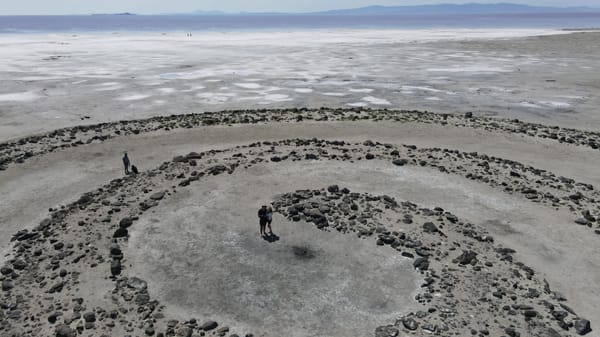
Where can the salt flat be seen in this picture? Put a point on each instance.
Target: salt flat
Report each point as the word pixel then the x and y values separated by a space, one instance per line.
pixel 52 81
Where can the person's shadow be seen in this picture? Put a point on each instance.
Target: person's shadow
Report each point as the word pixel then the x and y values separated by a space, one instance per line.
pixel 271 237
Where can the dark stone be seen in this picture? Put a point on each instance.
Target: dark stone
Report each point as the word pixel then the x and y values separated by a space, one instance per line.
pixel 64 330
pixel 582 326
pixel 333 189
pixel 386 331
pixel 58 287
pixel 142 299
pixel 429 227
pixel 120 233
pixel 387 239
pixel 19 264
pixel 400 162
pixel 89 317
pixel 452 218
pixel 150 203
pixel 559 315
pixel 6 270
pixel 369 156
pixel 583 222
pixel 115 249
pixel 84 199
pixel 410 324
pixel 193 155
pixel 588 216
pixel 421 263
pixel 53 317
pixel 210 325
pixel 216 170
pixel 511 332
pixel 115 267
pixel 126 222
pixel 222 331
pixel 137 283
pixel 466 257
pixel 158 195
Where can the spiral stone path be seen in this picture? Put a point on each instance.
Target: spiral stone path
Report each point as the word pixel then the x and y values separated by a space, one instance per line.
pixel 388 223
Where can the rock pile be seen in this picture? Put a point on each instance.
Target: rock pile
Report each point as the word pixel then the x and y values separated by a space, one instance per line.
pixel 20 150
pixel 470 285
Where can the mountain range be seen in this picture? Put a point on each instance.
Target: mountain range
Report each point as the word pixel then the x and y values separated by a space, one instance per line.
pixel 469 8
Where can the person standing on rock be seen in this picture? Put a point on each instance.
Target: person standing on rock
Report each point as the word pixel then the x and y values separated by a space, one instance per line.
pixel 270 219
pixel 262 219
pixel 126 163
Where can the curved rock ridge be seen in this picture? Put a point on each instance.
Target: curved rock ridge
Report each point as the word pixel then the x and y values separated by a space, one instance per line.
pixel 471 286
pixel 19 150
pixel 74 258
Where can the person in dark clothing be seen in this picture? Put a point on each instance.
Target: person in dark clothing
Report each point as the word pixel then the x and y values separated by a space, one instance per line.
pixel 262 219
pixel 270 219
pixel 126 163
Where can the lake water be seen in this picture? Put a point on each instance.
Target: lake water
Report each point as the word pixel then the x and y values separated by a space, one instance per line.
pixel 144 23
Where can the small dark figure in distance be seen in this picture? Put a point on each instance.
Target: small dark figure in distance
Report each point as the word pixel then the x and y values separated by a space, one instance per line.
pixel 126 163
pixel 270 219
pixel 262 219
pixel 134 169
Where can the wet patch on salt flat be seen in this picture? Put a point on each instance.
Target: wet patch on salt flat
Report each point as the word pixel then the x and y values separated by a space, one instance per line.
pixel 358 104
pixel 166 90
pixel 362 90
pixel 303 90
pixel 411 88
pixel 274 98
pixel 376 100
pixel 248 85
pixel 215 98
pixel 470 69
pixel 115 87
pixel 334 94
pixel 553 104
pixel 545 105
pixel 108 84
pixel 529 105
pixel 19 97
pixel 133 97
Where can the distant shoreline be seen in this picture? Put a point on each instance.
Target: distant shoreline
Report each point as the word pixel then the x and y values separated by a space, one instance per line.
pixel 101 14
pixel 128 22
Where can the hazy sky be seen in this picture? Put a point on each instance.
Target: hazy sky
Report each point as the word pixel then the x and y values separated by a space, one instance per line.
pixel 8 7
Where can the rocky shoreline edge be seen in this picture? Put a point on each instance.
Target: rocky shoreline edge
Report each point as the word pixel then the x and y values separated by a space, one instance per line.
pixel 465 274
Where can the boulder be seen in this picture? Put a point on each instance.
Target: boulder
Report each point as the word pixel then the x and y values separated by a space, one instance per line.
pixel 430 227
pixel 582 326
pixel 64 330
pixel 209 325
